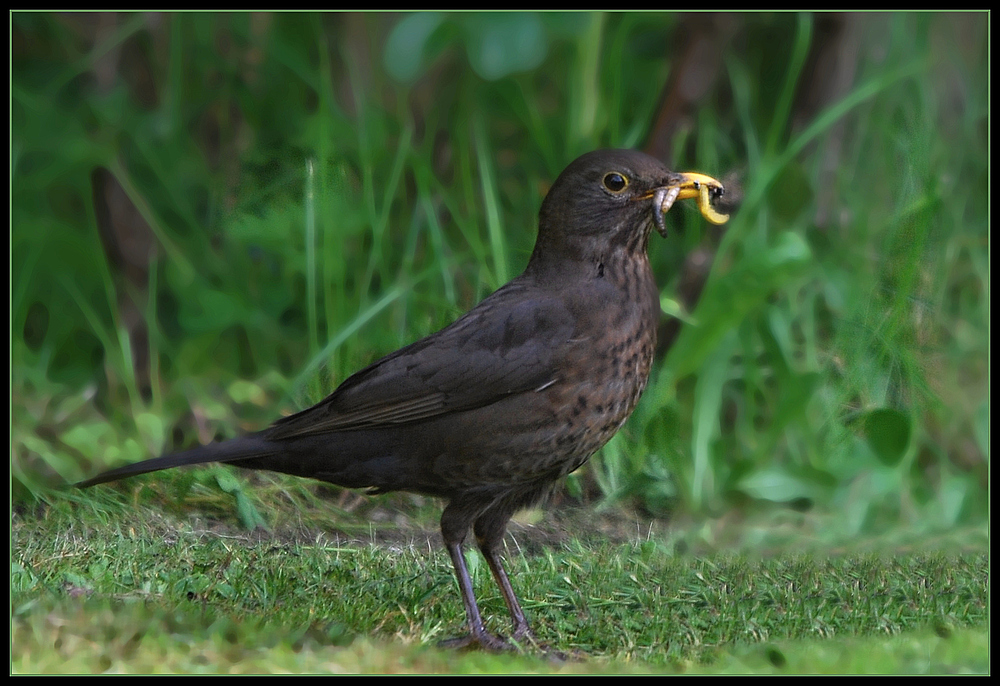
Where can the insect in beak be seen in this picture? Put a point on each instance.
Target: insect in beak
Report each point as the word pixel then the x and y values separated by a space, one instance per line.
pixel 691 185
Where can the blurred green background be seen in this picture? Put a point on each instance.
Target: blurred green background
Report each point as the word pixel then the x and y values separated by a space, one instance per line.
pixel 218 217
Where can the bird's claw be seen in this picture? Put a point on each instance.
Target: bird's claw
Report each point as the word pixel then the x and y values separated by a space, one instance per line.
pixel 483 641
pixel 495 643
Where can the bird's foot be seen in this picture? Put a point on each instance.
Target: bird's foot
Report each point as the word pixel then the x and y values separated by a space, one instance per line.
pixel 522 632
pixel 481 641
pixel 484 640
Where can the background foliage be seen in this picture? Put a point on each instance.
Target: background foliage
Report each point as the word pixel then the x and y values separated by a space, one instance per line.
pixel 217 216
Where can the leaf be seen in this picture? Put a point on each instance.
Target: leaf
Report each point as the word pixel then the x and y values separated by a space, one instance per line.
pixel 776 485
pixel 888 433
pixel 245 509
pixel 409 47
pixel 503 44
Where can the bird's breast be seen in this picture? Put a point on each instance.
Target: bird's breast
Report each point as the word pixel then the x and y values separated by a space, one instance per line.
pixel 607 365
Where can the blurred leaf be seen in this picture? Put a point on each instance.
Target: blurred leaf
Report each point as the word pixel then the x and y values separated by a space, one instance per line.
pixel 408 49
pixel 88 437
pixel 888 433
pixel 781 485
pixel 500 44
pixel 673 308
pixel 247 392
pixel 248 513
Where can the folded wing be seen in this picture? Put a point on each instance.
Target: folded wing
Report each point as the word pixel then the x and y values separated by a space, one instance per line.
pixel 492 352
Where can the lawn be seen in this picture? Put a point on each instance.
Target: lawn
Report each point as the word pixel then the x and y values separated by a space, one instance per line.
pixel 97 588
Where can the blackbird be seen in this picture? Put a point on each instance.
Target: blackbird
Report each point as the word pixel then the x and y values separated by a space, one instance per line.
pixel 490 411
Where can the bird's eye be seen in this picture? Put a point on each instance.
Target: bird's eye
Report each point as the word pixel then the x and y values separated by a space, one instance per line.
pixel 615 182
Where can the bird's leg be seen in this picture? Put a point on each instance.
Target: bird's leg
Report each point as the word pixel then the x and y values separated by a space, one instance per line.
pixel 489 530
pixel 454 527
pixel 520 628
pixel 478 635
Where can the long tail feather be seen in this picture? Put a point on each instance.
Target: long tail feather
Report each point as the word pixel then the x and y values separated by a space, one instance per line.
pixel 227 451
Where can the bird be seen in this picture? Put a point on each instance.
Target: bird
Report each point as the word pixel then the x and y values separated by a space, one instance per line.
pixel 491 411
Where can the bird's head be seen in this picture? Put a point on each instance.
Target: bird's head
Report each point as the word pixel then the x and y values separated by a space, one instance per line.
pixel 612 199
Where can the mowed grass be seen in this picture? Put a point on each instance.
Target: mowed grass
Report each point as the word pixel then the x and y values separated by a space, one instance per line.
pixel 122 587
pixel 300 194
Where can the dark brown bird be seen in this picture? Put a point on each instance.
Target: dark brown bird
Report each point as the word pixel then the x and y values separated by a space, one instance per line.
pixel 490 411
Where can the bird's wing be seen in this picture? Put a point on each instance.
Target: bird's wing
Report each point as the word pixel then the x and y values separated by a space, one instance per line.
pixel 505 345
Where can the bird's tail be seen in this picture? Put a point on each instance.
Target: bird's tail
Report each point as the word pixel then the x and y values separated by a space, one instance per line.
pixel 252 446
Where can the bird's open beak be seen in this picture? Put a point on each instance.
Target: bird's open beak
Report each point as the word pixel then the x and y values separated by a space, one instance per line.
pixel 689 185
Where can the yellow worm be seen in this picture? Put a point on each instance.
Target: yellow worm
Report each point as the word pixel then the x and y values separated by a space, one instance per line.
pixel 707 211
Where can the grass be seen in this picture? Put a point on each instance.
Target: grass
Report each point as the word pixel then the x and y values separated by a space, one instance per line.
pixel 217 218
pixel 116 592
